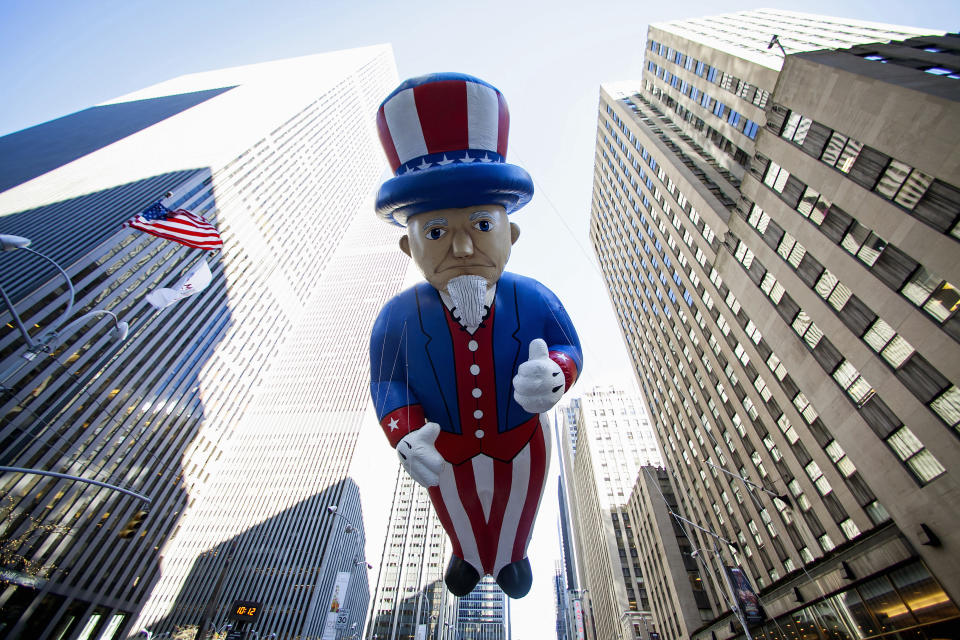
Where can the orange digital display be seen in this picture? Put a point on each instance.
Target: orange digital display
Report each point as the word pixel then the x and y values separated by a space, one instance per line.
pixel 245 611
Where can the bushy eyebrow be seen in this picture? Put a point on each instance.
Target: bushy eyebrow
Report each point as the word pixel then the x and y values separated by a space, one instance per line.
pixel 442 222
pixel 480 214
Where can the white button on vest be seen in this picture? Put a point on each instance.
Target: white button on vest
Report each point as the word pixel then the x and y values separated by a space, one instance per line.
pixel 472 345
pixel 478 433
pixel 476 393
pixel 474 369
pixel 478 414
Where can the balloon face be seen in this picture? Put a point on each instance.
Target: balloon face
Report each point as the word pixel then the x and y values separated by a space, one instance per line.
pixel 448 243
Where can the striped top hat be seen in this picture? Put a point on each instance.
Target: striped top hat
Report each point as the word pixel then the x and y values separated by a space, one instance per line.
pixel 445 136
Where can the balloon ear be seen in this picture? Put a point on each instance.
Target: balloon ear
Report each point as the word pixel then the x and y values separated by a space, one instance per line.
pixel 405 245
pixel 514 232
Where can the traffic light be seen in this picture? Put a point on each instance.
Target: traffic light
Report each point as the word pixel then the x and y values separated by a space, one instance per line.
pixel 133 524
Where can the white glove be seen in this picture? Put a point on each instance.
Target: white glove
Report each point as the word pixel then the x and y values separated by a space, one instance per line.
pixel 539 382
pixel 419 455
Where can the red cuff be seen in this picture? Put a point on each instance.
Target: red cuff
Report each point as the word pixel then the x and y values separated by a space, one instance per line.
pixel 567 365
pixel 402 421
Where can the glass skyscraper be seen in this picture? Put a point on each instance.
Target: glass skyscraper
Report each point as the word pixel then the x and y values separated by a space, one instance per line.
pixel 235 410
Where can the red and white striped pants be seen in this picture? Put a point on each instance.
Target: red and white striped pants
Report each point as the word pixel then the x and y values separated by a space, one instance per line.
pixel 488 507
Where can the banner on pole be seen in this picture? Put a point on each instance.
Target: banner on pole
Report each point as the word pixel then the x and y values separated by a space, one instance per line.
pixel 747 599
pixel 336 602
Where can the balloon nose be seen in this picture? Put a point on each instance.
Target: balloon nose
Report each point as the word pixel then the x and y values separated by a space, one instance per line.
pixel 462 245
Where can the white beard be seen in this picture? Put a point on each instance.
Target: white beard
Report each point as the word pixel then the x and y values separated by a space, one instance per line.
pixel 468 294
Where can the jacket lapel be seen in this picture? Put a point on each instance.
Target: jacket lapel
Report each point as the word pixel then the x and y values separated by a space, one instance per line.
pixel 438 350
pixel 508 350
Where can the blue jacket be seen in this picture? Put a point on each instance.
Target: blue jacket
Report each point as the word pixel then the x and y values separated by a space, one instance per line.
pixel 411 354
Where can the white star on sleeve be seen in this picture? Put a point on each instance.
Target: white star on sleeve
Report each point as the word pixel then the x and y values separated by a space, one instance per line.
pixel 393 424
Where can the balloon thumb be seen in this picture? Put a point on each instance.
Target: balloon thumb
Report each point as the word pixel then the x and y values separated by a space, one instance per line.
pixel 431 430
pixel 538 350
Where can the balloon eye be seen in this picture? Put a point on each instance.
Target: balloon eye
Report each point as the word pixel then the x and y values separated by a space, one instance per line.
pixel 435 233
pixel 484 225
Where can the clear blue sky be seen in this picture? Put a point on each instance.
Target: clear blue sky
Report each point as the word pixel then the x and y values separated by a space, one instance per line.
pixel 548 58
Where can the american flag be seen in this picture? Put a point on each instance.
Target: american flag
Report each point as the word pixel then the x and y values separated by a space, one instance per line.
pixel 181 226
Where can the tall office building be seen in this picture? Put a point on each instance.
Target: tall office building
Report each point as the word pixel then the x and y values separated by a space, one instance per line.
pixel 778 237
pixel 411 597
pixel 565 420
pixel 678 602
pixel 562 603
pixel 235 411
pixel 484 613
pixel 614 441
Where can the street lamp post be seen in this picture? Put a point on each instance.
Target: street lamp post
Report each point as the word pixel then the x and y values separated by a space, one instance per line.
pixel 358 557
pixel 734 602
pixel 52 334
pixel 67 476
pixel 358 560
pixel 50 339
pixel 751 485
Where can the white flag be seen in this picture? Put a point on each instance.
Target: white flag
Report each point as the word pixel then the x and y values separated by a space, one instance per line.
pixel 193 281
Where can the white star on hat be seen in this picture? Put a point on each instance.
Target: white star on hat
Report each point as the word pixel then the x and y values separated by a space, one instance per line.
pixel 444 162
pixel 393 424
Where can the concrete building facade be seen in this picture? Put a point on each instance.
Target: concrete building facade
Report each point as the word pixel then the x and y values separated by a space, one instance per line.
pixel 678 601
pixel 235 410
pixel 802 388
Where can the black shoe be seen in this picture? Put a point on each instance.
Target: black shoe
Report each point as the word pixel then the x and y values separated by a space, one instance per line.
pixel 461 577
pixel 516 578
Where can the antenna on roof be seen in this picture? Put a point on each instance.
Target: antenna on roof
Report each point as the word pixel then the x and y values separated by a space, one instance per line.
pixel 775 40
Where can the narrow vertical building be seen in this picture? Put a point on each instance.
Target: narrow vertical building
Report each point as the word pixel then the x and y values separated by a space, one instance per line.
pixel 411 597
pixel 775 209
pixel 613 441
pixel 562 603
pixel 234 411
pixel 678 600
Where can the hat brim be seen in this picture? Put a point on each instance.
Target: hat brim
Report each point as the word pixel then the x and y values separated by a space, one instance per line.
pixel 453 187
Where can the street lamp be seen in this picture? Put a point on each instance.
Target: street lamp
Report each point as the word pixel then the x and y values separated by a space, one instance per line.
pixel 351 528
pixel 333 509
pixel 751 485
pixel 358 559
pixel 50 337
pixel 697 554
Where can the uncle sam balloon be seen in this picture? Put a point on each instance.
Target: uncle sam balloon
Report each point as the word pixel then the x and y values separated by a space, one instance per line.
pixel 464 366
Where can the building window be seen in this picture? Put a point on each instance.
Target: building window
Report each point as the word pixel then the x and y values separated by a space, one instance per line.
pixel 911 451
pixel 850 529
pixel 819 481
